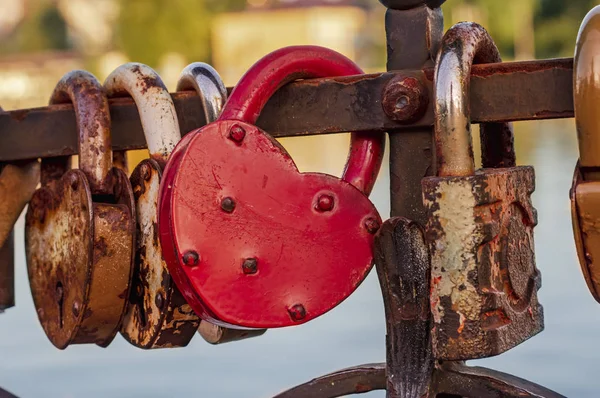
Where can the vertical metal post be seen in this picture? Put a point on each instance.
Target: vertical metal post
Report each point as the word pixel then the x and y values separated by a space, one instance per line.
pixel 414 29
pixel 413 32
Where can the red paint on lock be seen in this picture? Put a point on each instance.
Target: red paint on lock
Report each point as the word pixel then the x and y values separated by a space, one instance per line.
pixel 305 260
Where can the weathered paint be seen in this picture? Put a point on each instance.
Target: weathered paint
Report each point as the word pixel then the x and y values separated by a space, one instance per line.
pixel 484 280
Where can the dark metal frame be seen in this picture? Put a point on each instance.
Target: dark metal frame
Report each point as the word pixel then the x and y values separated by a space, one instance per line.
pixel 513 91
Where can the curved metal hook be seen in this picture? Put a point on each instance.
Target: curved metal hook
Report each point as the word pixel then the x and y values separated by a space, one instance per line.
pixel 205 80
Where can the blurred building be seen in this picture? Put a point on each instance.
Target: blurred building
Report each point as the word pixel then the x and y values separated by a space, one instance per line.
pixel 240 39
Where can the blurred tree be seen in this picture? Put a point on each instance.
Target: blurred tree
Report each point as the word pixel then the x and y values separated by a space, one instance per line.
pixel 147 29
pixel 43 28
pixel 557 23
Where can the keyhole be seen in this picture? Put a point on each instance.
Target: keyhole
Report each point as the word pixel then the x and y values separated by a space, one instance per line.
pixel 60 298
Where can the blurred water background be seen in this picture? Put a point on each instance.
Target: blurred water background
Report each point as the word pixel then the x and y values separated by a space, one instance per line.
pixel 36 49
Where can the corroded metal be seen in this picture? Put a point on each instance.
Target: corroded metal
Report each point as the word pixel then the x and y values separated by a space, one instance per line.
pixel 7 273
pixel 356 380
pixel 157 315
pixel 585 191
pixel 79 241
pixel 17 183
pixel 405 99
pixel 206 82
pixel 402 259
pixel 152 98
pixel 451 379
pixel 319 106
pixel 463 45
pixel 484 280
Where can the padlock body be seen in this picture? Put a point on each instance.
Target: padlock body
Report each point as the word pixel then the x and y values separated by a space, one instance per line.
pixel 585 212
pixel 484 280
pixel 243 235
pixel 157 315
pixel 79 256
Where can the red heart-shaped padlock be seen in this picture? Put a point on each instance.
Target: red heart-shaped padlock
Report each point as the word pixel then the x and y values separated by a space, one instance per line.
pixel 249 240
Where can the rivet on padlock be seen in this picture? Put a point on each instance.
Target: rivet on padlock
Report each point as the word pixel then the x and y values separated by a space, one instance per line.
pixel 585 192
pixel 80 228
pixel 157 315
pixel 231 193
pixel 207 83
pixel 484 280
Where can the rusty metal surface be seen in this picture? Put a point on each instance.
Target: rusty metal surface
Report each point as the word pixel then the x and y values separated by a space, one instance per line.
pixel 356 380
pixel 449 380
pixel 7 273
pixel 483 281
pixel 157 315
pixel 405 99
pixel 17 184
pixel 154 104
pixel 83 90
pixel 413 38
pixel 318 106
pixel 79 246
pixel 402 259
pixel 463 45
pixel 460 380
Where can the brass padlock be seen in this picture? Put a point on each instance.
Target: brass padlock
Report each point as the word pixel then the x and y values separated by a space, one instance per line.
pixel 157 315
pixel 484 280
pixel 585 192
pixel 80 228
pixel 207 83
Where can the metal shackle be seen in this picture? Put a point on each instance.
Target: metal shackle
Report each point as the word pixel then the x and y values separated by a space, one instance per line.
pixel 205 80
pixel 586 90
pixel 209 86
pixel 463 45
pixel 285 65
pixel 151 97
pixel 85 92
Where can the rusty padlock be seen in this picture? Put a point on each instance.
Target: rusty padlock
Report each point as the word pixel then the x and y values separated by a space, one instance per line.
pixel 207 83
pixel 80 228
pixel 484 280
pixel 17 183
pixel 585 192
pixel 256 243
pixel 157 315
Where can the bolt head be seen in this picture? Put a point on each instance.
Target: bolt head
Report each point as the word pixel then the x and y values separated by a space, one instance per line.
pixel 325 202
pixel 405 99
pixel 237 134
pixel 250 266
pixel 228 205
pixel 372 225
pixel 159 301
pixel 297 312
pixel 191 258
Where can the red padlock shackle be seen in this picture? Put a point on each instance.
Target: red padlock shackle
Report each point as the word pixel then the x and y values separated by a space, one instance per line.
pixel 285 65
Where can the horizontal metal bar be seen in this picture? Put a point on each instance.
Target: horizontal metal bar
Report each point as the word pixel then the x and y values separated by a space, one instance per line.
pixel 499 92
